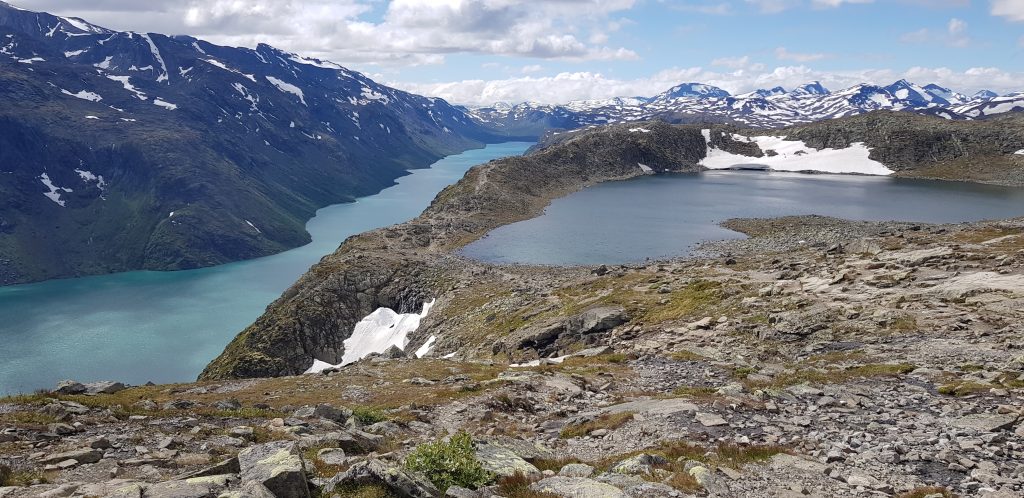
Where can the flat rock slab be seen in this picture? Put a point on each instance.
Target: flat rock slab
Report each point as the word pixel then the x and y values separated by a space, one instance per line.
pixel 277 466
pixel 577 487
pixel 503 461
pixel 972 284
pixel 88 455
pixel 657 407
pixel 984 422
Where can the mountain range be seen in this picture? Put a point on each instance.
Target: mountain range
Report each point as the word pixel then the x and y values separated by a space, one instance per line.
pixel 764 108
pixel 125 151
pixel 122 150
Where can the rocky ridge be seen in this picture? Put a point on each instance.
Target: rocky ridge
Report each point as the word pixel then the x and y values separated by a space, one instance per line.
pixel 818 358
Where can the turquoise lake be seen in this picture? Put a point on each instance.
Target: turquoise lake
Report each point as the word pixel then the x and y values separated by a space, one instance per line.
pixel 166 326
pixel 664 216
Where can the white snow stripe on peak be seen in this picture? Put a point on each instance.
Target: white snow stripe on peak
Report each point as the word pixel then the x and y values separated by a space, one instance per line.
pixel 84 95
pixel 287 88
pixel 156 55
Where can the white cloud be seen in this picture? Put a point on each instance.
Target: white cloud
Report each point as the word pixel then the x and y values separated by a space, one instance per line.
pixel 733 62
pixel 776 6
pixel 565 87
pixel 532 68
pixel 783 54
pixel 954 36
pixel 408 31
pixel 1010 9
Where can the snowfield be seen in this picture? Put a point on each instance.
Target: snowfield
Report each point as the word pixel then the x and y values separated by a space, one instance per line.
pixel 794 155
pixel 376 333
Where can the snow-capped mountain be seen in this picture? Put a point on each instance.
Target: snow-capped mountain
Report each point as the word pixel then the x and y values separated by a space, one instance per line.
pixel 129 150
pixel 770 108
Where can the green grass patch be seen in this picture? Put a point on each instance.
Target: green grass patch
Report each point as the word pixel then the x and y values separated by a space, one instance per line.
pixel 608 421
pixel 518 486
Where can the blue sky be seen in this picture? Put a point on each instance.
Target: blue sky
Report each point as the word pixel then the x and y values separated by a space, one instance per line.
pixel 480 51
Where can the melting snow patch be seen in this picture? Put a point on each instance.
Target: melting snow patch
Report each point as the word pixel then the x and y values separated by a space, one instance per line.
pixel 30 61
pixel 217 63
pixel 646 169
pixel 639 130
pixel 91 117
pixel 88 176
pixel 125 81
pixel 159 59
pixel 794 155
pixel 247 222
pixel 84 95
pixel 54 193
pixel 287 88
pixel 1020 152
pixel 74 53
pixel 166 105
pixel 536 363
pixel 425 348
pixel 375 334
pixel 105 64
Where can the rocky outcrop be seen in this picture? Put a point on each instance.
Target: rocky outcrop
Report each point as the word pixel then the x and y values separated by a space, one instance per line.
pixel 403 266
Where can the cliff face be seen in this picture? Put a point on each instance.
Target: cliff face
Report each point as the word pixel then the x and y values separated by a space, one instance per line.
pixel 405 265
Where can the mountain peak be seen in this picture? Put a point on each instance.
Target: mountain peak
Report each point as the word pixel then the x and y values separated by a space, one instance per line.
pixel 698 90
pixel 812 88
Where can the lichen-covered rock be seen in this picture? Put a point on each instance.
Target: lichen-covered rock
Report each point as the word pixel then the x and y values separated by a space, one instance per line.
pixel 503 461
pixel 278 466
pixel 577 487
pixel 402 483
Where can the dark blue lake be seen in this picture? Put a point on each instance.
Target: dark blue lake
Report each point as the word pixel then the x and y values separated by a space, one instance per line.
pixel 668 215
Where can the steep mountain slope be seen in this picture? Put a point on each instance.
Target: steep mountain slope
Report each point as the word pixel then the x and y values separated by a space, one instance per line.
pixel 765 108
pixel 121 150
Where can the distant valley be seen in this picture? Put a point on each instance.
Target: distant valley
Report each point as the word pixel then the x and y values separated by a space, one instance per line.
pixel 123 151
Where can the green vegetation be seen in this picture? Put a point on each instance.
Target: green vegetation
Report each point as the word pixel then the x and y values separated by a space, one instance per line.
pixel 449 463
pixel 367 415
pixel 518 486
pixel 963 388
pixel 928 491
pixel 606 421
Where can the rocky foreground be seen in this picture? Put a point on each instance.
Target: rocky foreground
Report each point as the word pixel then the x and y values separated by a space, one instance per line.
pixel 817 358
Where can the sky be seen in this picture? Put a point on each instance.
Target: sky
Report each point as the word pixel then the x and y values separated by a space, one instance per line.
pixel 478 52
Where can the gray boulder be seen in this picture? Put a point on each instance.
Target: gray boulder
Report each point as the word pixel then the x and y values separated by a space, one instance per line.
pixel 276 465
pixel 503 461
pixel 402 483
pixel 70 387
pixel 105 387
pixel 577 487
pixel 597 320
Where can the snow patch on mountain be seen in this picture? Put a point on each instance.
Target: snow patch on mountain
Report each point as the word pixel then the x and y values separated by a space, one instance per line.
pixel 55 191
pixel 219 64
pixel 84 95
pixel 795 155
pixel 287 88
pixel 166 105
pixel 159 59
pixel 125 81
pixel 375 334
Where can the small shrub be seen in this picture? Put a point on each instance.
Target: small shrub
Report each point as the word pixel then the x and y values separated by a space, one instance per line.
pixel 368 415
pixel 686 355
pixel 449 463
pixel 518 486
pixel 963 388
pixel 5 475
pixel 927 491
